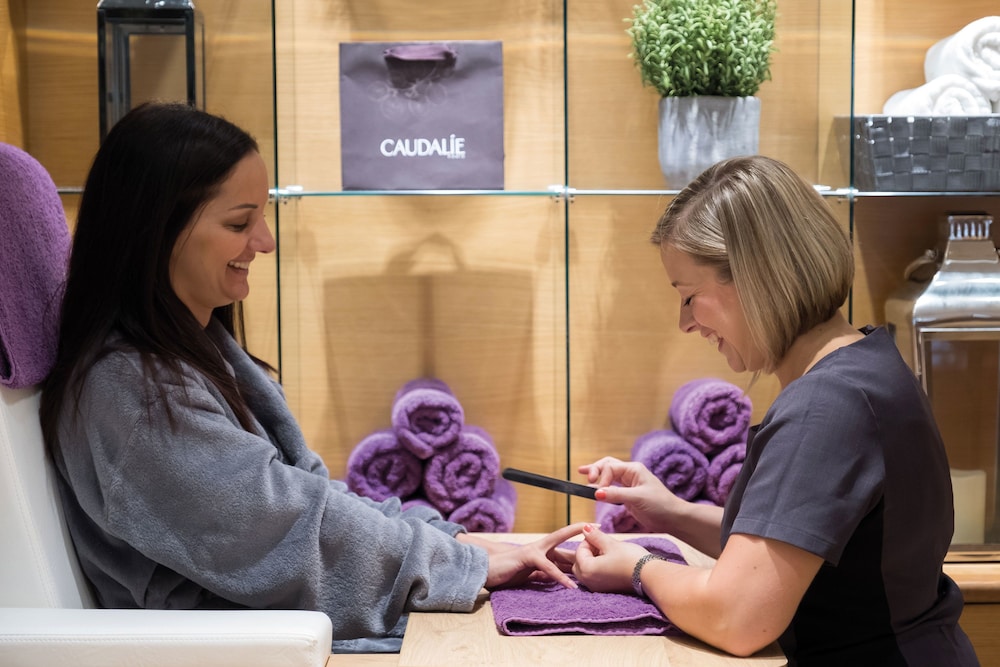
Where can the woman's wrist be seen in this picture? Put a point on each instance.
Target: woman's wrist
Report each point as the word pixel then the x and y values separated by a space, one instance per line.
pixel 637 572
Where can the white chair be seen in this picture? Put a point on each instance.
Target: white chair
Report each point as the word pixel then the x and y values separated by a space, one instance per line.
pixel 47 614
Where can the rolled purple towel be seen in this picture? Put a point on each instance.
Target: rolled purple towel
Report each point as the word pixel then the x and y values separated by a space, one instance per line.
pixel 493 514
pixel 463 471
pixel 711 414
pixel 379 467
pixel 426 416
pixel 723 470
pixel 417 501
pixel 675 462
pixel 616 519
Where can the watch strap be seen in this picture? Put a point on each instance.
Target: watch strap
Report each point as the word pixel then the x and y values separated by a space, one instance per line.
pixel 637 572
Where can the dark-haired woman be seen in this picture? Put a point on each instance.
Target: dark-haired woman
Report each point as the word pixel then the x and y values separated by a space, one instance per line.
pixel 185 479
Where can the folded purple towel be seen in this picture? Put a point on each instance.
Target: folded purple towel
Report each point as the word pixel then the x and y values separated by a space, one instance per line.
pixel 463 471
pixel 710 414
pixel 34 251
pixel 493 514
pixel 426 416
pixel 379 467
pixel 723 470
pixel 548 608
pixel 616 519
pixel 675 462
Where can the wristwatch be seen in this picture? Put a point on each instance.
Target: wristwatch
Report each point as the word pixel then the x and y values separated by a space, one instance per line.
pixel 637 570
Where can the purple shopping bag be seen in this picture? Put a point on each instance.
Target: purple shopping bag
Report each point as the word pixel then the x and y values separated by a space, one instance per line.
pixel 421 115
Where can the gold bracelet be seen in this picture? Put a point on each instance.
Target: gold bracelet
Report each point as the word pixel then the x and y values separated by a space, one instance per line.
pixel 637 570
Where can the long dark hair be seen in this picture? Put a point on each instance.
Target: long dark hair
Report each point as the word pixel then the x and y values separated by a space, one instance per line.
pixel 157 167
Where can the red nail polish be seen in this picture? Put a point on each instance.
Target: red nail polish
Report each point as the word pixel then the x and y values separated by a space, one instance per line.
pixel 600 494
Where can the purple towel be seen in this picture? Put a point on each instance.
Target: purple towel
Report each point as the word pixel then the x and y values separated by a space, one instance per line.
pixel 463 471
pixel 710 414
pixel 379 467
pixel 34 251
pixel 426 416
pixel 675 462
pixel 616 519
pixel 417 501
pixel 723 470
pixel 493 514
pixel 548 608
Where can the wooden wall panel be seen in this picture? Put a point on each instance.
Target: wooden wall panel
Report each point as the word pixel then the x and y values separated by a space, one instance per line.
pixel 613 118
pixel 383 290
pixel 378 290
pixel 62 132
pixel 980 622
pixel 13 95
pixel 893 37
pixel 61 71
pixel 309 34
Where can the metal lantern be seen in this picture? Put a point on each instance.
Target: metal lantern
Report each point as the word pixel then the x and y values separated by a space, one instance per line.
pixel 946 321
pixel 148 49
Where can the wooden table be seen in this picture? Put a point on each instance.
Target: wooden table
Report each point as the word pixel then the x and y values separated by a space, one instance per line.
pixel 980 584
pixel 450 639
pixel 443 639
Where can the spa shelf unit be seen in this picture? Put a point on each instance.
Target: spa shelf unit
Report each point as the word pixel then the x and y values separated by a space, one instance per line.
pixel 533 300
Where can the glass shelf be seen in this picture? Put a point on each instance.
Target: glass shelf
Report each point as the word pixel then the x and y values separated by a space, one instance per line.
pixel 292 191
pixel 872 193
pixel 560 191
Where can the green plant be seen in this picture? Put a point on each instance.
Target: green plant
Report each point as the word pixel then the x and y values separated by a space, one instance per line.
pixel 703 47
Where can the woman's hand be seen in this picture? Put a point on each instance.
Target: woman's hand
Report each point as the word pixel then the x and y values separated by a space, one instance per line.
pixel 541 558
pixel 631 484
pixel 605 564
pixel 491 547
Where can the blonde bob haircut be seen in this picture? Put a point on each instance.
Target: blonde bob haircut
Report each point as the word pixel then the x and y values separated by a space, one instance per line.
pixel 763 228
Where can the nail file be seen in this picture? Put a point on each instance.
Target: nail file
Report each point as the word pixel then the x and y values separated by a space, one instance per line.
pixel 550 483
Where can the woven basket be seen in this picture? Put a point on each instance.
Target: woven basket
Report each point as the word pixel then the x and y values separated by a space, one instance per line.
pixel 927 153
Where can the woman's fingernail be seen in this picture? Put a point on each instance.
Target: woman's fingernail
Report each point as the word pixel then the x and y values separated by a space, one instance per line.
pixel 600 494
pixel 588 528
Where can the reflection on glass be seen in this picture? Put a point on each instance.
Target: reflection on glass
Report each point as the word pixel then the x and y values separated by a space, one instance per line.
pixel 146 52
pixel 962 382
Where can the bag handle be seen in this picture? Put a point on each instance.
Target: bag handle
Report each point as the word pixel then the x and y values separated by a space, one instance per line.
pixel 413 66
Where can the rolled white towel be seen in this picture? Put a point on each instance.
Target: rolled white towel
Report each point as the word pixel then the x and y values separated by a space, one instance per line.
pixel 948 95
pixel 972 52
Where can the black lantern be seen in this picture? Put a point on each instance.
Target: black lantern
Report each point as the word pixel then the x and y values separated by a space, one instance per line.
pixel 148 49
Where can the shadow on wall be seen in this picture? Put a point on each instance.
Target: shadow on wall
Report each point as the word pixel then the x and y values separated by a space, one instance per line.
pixel 429 315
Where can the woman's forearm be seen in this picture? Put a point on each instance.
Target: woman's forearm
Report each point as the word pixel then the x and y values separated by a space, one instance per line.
pixel 698 525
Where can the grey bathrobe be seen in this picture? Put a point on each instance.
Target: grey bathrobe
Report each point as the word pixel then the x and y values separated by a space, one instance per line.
pixel 203 514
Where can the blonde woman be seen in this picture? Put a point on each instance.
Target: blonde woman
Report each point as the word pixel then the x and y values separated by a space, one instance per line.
pixel 833 538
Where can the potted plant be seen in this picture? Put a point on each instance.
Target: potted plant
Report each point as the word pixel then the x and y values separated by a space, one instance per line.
pixel 706 59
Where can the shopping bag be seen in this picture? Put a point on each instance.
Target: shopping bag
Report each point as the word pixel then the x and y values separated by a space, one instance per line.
pixel 421 115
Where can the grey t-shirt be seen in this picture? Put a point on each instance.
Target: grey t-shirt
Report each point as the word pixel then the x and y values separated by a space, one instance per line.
pixel 848 464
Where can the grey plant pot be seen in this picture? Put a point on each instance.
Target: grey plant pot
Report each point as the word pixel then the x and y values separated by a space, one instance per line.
pixel 697 132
